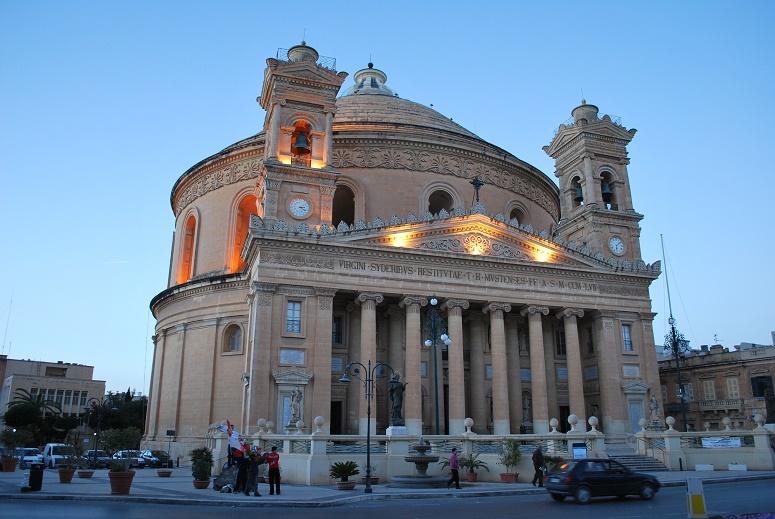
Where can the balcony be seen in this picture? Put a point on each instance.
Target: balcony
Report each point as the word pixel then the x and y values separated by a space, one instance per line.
pixel 722 405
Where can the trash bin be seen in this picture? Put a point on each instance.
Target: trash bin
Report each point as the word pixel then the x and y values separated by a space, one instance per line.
pixel 36 476
pixel 170 464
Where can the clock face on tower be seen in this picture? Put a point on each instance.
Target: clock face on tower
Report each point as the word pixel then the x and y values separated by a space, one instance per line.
pixel 616 245
pixel 299 207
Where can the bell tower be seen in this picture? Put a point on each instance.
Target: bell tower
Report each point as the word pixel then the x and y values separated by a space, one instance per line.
pixel 297 181
pixel 590 154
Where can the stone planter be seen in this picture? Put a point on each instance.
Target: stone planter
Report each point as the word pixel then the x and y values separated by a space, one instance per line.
pixel 121 482
pixel 66 475
pixel 164 473
pixel 9 463
pixel 509 477
pixel 200 485
pixel 471 477
pixel 374 480
pixel 345 485
pixel 85 473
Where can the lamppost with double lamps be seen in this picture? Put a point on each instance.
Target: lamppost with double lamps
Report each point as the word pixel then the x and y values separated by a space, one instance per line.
pixel 436 325
pixel 99 403
pixel 369 385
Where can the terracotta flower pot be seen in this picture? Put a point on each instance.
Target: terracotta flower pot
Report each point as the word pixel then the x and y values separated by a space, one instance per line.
pixel 346 485
pixel 66 475
pixel 374 480
pixel 471 476
pixel 509 477
pixel 9 463
pixel 164 473
pixel 85 473
pixel 121 482
pixel 198 484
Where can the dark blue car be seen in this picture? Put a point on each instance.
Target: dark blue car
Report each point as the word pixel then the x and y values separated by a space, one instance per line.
pixel 593 477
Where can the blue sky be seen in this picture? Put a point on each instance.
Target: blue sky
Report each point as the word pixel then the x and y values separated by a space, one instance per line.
pixel 103 105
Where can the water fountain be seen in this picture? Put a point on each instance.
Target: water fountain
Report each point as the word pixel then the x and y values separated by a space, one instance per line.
pixel 421 461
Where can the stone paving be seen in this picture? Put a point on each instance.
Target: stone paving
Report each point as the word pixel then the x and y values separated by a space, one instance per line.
pixel 179 489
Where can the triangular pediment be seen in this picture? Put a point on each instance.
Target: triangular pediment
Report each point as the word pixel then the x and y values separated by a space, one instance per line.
pixel 308 71
pixel 473 235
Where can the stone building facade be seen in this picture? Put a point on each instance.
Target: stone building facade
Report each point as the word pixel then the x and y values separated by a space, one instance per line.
pixel 719 383
pixel 322 239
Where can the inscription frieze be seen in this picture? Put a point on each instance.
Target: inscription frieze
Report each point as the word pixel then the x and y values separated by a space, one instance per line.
pixel 623 291
pixel 295 260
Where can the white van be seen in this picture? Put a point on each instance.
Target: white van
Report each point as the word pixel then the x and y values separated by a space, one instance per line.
pixel 57 453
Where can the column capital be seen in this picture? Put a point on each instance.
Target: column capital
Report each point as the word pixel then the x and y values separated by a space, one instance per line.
pixel 570 312
pixel 325 291
pixel 362 297
pixel 534 309
pixel 409 300
pixel 449 304
pixel 259 286
pixel 494 307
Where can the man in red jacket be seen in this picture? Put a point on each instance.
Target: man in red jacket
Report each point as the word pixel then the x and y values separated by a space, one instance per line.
pixel 273 459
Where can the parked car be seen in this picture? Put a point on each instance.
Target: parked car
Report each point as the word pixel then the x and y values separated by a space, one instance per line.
pixel 135 460
pixel 27 456
pixel 155 459
pixel 592 477
pixel 57 454
pixel 95 459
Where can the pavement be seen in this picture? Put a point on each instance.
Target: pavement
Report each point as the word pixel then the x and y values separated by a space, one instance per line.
pixel 148 487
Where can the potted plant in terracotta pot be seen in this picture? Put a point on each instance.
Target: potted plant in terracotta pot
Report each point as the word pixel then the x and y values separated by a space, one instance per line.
pixel 12 439
pixel 120 477
pixel 374 478
pixel 342 470
pixel 471 462
pixel 201 466
pixel 66 468
pixel 510 456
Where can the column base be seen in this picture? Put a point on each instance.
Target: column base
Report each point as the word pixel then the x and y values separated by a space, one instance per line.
pixel 457 426
pixel 501 427
pixel 397 430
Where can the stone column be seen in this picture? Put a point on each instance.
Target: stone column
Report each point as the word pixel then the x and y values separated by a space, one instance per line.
pixel 157 379
pixel 261 392
pixel 368 302
pixel 274 130
pixel 396 339
pixel 540 402
pixel 593 189
pixel 327 205
pixel 456 373
pixel 176 379
pixel 412 376
pixel 573 359
pixel 514 370
pixel 613 405
pixel 500 382
pixel 478 394
pixel 321 367
pixel 328 147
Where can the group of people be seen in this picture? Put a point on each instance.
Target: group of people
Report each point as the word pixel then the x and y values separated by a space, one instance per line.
pixel 247 471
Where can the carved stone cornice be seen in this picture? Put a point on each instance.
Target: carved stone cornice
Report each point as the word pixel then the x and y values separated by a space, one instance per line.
pixel 534 309
pixel 446 161
pixel 214 176
pixel 570 312
pixel 324 291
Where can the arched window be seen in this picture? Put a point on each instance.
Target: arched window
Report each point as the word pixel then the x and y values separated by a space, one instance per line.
pixel 232 339
pixel 343 206
pixel 187 251
pixel 518 215
pixel 577 193
pixel 246 207
pixel 607 191
pixel 301 144
pixel 439 200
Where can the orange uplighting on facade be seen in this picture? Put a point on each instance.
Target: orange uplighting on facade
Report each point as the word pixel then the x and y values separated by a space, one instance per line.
pixel 543 255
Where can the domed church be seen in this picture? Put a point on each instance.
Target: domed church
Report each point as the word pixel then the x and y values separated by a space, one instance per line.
pixel 358 226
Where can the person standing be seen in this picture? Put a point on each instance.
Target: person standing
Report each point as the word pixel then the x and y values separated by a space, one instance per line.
pixel 273 459
pixel 252 484
pixel 454 466
pixel 538 465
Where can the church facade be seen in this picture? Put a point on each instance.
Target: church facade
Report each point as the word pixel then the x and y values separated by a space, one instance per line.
pixel 358 227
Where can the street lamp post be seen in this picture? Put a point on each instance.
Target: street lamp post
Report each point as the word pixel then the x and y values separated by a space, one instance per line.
pixel 369 384
pixel 436 324
pixel 99 403
pixel 676 343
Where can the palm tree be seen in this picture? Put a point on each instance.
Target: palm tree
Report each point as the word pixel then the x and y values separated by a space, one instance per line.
pixel 24 398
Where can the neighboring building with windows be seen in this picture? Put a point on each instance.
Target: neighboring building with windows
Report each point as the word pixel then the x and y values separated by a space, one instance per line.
pixel 70 385
pixel 718 383
pixel 321 239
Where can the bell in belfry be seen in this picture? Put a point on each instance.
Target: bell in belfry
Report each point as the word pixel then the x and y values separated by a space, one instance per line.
pixel 606 192
pixel 579 195
pixel 301 145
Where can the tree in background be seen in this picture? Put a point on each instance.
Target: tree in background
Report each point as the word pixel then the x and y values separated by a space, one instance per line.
pixel 41 418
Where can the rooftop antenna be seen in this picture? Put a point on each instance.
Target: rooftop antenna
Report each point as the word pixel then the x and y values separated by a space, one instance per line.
pixel 305 35
pixel 7 321
pixel 582 94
